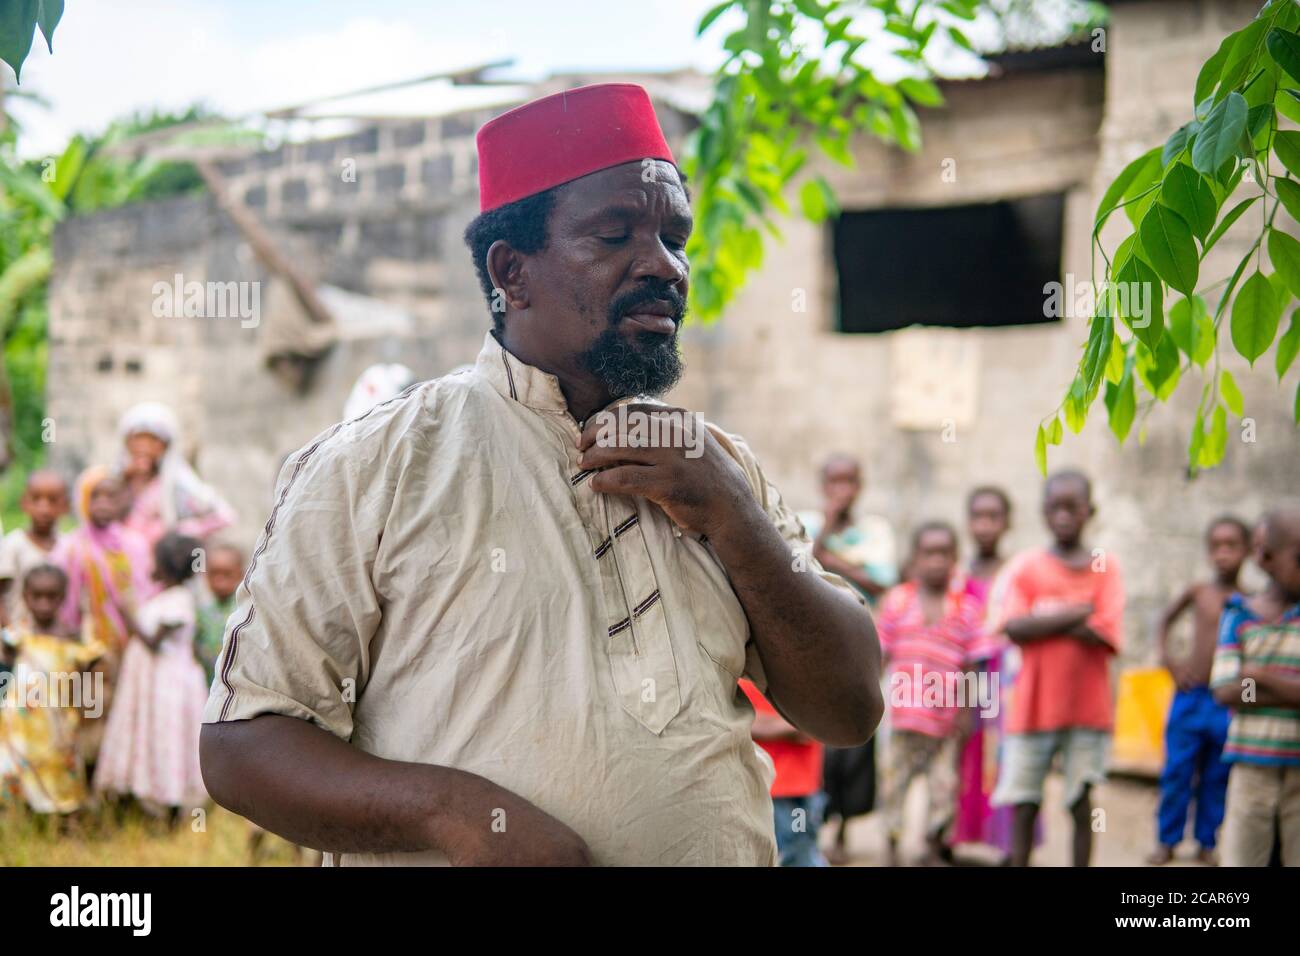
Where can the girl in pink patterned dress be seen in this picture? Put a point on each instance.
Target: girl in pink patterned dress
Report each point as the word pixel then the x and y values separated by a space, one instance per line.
pixel 151 743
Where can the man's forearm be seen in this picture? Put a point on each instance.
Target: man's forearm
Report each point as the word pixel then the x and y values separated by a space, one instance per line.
pixel 306 785
pixel 818 645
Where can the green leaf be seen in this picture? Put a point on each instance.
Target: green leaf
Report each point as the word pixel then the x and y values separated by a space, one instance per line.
pixel 1220 134
pixel 1076 412
pixel 1254 318
pixel 1167 240
pixel 1231 394
pixel 51 12
pixel 1197 442
pixel 1177 142
pixel 1192 329
pixel 1140 301
pixel 1180 325
pixel 1055 432
pixel 1040 451
pixel 1115 362
pixel 1226 223
pixel 1121 406
pixel 1284 47
pixel 1281 293
pixel 1289 192
pixel 1288 104
pixel 1216 441
pixel 1187 193
pixel 1158 370
pixel 17 28
pixel 1101 335
pixel 1286 144
pixel 706 21
pixel 1287 346
pixel 1241 59
pixel 1139 174
pixel 960 39
pixel 817 199
pixel 920 91
pixel 1285 253
pixel 1208 77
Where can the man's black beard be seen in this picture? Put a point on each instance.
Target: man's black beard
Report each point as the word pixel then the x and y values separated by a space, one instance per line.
pixel 646 364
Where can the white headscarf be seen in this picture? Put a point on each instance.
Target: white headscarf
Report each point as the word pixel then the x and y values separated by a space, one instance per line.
pixel 184 494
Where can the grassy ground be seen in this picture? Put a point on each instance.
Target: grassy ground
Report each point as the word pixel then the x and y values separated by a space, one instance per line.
pixel 110 838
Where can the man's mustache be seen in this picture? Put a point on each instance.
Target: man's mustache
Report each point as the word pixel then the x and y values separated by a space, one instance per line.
pixel 662 296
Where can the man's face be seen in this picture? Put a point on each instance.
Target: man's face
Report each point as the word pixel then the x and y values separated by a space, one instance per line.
pixel 607 294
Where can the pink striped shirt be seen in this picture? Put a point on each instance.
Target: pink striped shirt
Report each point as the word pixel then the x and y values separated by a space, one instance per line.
pixel 928 664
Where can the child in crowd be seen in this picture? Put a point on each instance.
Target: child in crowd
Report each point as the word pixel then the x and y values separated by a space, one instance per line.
pixel 796 790
pixel 988 516
pixel 108 567
pixel 40 756
pixel 151 743
pixel 1257 676
pixel 44 502
pixel 860 548
pixel 929 632
pixel 225 569
pixel 1198 725
pixel 1063 606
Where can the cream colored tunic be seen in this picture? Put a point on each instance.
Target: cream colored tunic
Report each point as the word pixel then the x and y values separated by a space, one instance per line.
pixel 439 583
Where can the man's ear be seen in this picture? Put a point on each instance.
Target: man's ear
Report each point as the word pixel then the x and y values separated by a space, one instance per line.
pixel 506 269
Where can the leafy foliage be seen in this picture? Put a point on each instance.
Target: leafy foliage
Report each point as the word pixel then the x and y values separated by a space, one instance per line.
pixel 1175 197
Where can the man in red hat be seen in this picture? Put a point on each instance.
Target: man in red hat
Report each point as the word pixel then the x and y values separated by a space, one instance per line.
pixel 500 619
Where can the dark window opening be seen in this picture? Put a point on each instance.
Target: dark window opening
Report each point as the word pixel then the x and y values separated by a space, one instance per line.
pixel 956 266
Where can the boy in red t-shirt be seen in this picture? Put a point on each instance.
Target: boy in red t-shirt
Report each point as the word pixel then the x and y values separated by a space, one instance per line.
pixel 1063 607
pixel 796 790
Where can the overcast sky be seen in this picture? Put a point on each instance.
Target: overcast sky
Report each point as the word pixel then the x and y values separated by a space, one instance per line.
pixel 115 56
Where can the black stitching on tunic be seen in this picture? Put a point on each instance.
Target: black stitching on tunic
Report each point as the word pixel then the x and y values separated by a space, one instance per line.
pixel 646 605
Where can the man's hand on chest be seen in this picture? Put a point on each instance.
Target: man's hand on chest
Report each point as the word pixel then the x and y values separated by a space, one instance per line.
pixel 666 455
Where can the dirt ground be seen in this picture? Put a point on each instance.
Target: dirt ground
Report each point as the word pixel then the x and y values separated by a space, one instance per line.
pixel 1128 837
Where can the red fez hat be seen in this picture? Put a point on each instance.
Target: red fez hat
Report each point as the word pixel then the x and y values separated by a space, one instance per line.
pixel 564 136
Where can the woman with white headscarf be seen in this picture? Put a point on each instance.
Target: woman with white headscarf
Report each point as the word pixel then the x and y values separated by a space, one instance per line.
pixel 165 492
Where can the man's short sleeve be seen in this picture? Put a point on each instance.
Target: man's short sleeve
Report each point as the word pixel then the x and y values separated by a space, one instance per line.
pixel 298 641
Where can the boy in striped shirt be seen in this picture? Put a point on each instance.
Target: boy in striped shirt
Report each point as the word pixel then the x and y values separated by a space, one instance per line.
pixel 928 633
pixel 1257 674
